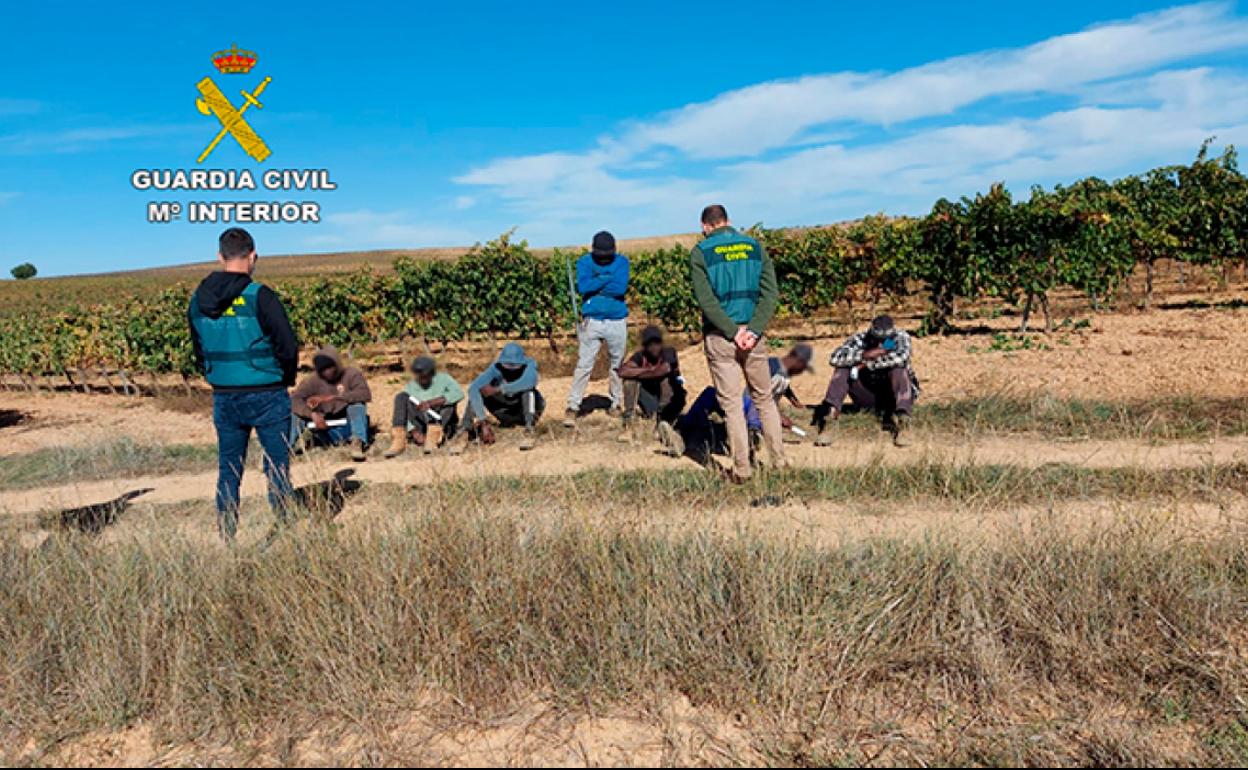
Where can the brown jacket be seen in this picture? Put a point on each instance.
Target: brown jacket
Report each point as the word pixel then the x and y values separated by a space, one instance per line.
pixel 350 388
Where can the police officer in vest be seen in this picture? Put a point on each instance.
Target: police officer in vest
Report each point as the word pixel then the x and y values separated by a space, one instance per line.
pixel 734 282
pixel 248 353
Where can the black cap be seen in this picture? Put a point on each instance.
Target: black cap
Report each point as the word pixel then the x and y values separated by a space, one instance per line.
pixel 320 362
pixel 882 326
pixel 804 353
pixel 651 334
pixel 424 365
pixel 604 244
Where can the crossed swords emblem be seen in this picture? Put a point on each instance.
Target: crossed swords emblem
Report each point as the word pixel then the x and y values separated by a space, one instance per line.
pixel 212 102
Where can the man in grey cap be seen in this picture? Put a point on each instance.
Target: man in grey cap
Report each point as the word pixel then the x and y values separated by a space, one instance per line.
pixel 602 278
pixel 783 369
pixel 872 368
pixel 427 408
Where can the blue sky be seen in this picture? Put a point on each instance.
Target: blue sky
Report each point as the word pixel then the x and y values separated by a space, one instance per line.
pixel 447 124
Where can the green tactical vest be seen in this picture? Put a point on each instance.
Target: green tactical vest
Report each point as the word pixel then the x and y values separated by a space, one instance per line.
pixel 237 353
pixel 734 263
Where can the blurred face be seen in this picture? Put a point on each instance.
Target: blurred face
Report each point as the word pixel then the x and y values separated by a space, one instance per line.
pixel 654 348
pixel 795 366
pixel 424 379
pixel 329 373
pixel 511 373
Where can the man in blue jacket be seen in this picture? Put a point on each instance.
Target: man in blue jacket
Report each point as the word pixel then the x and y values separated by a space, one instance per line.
pixel 507 389
pixel 248 353
pixel 602 281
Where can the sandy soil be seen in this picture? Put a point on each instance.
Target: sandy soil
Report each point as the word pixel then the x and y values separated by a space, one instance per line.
pixel 670 732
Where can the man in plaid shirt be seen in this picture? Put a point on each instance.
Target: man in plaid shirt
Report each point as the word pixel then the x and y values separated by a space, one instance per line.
pixel 873 369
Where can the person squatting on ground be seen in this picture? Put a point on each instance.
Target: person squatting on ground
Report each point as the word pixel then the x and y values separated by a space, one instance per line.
pixel 330 406
pixel 873 369
pixel 602 281
pixel 506 389
pixel 734 282
pixel 248 353
pixel 653 384
pixel 427 409
pixel 783 369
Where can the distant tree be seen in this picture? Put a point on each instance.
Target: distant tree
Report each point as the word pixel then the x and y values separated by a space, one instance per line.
pixel 24 271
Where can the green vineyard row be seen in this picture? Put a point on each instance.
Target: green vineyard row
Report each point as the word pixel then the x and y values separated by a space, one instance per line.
pixel 1088 236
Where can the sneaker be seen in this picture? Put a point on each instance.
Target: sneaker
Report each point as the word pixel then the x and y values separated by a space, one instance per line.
pixel 529 440
pixel 670 438
pixel 570 417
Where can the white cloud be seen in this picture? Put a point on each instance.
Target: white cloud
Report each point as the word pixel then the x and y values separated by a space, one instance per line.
pixel 365 228
pixel 5 197
pixel 1108 99
pixel 84 139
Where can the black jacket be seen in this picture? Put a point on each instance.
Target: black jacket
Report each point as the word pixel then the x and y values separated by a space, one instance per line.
pixel 218 291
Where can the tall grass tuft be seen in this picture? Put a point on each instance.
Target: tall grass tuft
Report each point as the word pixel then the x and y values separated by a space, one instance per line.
pixel 348 623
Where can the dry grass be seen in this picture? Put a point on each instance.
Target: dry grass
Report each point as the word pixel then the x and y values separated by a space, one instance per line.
pixel 117 458
pixel 1037 646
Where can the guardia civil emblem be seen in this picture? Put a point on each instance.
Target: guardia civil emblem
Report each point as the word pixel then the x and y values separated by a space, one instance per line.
pixel 212 101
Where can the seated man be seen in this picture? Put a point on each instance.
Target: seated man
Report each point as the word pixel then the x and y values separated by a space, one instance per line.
pixel 873 369
pixel 427 409
pixel 507 389
pixel 701 431
pixel 652 380
pixel 330 405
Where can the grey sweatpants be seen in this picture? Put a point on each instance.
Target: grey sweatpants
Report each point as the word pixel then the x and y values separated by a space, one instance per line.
pixel 592 334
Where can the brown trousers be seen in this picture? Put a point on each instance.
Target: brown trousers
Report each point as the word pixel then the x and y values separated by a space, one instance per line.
pixel 732 371
pixel 887 391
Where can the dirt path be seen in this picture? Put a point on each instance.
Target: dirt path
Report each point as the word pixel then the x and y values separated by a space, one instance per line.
pixel 566 454
pixel 1119 357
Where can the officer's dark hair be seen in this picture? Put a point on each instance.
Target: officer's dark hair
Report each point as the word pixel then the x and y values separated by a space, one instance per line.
pixel 236 243
pixel 714 214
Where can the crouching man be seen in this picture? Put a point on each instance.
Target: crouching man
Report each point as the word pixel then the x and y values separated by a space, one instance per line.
pixel 427 409
pixel 330 406
pixel 653 384
pixel 507 389
pixel 783 369
pixel 873 369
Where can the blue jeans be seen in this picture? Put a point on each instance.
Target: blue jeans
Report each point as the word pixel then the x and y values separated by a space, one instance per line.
pixel 235 415
pixel 356 427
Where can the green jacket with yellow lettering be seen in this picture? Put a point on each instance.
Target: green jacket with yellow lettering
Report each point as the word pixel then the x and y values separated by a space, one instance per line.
pixel 734 282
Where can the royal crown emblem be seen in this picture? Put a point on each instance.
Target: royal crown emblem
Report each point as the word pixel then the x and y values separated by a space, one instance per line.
pixel 234 61
pixel 212 101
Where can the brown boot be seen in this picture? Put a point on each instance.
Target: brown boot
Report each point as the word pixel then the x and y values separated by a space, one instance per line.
pixel 398 443
pixel 433 439
pixel 357 451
